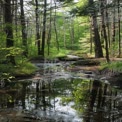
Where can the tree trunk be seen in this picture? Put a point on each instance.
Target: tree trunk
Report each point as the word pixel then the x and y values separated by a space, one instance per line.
pixel 103 15
pixel 8 28
pixel 119 27
pixel 50 28
pixel 44 27
pixel 91 38
pixel 37 28
pixel 24 31
pixel 56 34
pixel 113 25
pixel 97 43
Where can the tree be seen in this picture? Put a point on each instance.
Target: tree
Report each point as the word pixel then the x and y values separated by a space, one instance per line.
pixel 97 42
pixel 50 28
pixel 8 28
pixel 119 27
pixel 37 28
pixel 44 27
pixel 103 17
pixel 56 34
pixel 24 30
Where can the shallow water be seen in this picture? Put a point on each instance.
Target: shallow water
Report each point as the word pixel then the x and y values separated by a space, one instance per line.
pixel 55 95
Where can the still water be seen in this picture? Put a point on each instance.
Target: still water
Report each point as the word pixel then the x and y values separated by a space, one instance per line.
pixel 55 95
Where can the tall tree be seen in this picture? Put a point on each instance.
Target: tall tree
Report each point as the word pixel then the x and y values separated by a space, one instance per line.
pixel 8 27
pixel 103 17
pixel 44 27
pixel 24 30
pixel 113 24
pixel 56 34
pixel 37 27
pixel 119 27
pixel 97 42
pixel 50 28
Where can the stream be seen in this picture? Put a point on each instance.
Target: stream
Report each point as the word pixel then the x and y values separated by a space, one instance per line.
pixel 55 94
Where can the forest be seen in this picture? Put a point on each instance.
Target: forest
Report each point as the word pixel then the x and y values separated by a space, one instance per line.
pixel 60 60
pixel 50 29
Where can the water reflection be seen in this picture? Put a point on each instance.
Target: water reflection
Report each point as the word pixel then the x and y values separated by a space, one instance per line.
pixel 64 98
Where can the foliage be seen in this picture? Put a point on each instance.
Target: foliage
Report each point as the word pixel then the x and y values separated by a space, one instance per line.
pixel 81 94
pixel 81 9
pixel 25 68
pixel 113 66
pixel 12 51
pixel 54 53
pixel 78 92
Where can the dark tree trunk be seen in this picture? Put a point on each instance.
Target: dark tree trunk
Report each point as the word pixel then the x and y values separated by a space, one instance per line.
pixel 8 28
pixel 8 21
pixel 119 27
pixel 56 34
pixel 44 28
pixel 24 31
pixel 37 28
pixel 103 15
pixel 97 42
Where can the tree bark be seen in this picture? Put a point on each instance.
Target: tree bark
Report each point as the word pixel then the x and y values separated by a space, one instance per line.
pixel 97 42
pixel 8 28
pixel 119 28
pixel 103 17
pixel 37 28
pixel 56 34
pixel 50 28
pixel 44 28
pixel 24 30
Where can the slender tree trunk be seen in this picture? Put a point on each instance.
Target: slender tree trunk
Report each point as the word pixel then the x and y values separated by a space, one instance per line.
pixel 64 31
pixel 44 27
pixel 108 29
pixel 72 32
pixel 91 38
pixel 37 28
pixel 50 28
pixel 119 27
pixel 113 25
pixel 24 31
pixel 16 29
pixel 1 14
pixel 56 34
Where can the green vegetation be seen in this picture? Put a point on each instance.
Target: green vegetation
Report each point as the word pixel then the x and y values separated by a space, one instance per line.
pixel 78 90
pixel 113 66
pixel 76 28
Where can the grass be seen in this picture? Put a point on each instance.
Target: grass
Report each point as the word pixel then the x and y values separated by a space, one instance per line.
pixel 113 66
